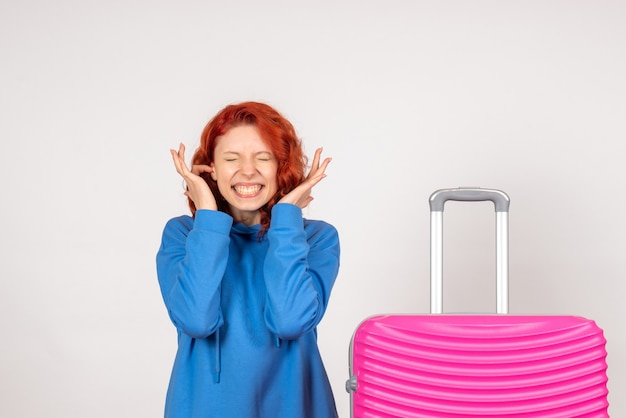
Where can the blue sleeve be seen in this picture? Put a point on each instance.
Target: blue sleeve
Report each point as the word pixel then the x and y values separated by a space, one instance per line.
pixel 190 265
pixel 300 269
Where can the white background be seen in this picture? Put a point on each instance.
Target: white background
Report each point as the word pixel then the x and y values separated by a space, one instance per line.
pixel 406 96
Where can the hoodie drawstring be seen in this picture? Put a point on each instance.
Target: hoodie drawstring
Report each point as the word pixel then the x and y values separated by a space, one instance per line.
pixel 217 361
pixel 217 366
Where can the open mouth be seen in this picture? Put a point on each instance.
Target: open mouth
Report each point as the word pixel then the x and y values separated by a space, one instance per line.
pixel 247 190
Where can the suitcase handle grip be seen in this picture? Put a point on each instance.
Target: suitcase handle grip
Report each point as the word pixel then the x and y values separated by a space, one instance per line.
pixel 469 194
pixel 501 202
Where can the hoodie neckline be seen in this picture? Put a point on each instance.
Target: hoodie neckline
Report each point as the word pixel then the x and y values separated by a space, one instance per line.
pixel 243 229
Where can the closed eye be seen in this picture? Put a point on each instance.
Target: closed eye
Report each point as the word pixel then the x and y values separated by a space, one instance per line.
pixel 264 156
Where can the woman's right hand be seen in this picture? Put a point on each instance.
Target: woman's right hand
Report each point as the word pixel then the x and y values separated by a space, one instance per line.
pixel 197 189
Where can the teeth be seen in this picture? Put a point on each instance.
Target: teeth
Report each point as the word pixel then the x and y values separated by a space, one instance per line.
pixel 248 190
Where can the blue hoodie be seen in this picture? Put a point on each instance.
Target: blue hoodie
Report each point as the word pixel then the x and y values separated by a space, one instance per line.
pixel 246 312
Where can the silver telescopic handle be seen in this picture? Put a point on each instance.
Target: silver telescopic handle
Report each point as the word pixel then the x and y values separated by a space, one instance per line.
pixel 501 202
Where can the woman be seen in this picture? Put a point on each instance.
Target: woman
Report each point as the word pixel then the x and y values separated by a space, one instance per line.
pixel 246 280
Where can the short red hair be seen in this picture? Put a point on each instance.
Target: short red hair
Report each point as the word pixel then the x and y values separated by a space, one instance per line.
pixel 279 135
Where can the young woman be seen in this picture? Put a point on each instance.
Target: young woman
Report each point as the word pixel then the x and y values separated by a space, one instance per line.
pixel 245 279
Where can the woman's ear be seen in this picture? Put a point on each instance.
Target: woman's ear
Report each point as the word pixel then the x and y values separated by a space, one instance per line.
pixel 213 175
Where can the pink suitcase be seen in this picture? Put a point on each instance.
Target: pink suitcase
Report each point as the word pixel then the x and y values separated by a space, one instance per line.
pixel 483 365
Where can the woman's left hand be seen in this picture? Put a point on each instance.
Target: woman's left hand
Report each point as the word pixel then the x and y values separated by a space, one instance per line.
pixel 301 195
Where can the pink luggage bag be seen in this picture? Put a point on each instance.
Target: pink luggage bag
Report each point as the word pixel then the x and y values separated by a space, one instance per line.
pixel 483 365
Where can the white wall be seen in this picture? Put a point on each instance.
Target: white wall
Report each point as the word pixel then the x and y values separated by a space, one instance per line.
pixel 406 96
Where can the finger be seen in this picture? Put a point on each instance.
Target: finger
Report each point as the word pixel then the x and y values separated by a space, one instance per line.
pixel 315 164
pixel 306 202
pixel 176 159
pixel 201 168
pixel 325 163
pixel 313 181
pixel 316 158
pixel 185 170
pixel 320 173
pixel 181 153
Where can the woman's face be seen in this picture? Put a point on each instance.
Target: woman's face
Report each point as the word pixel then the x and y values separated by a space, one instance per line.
pixel 245 170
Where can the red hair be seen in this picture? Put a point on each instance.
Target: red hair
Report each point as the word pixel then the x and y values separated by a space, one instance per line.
pixel 279 135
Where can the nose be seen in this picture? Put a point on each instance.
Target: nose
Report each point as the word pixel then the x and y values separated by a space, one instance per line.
pixel 248 167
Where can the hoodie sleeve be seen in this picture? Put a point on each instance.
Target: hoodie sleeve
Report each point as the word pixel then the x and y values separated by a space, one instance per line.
pixel 190 265
pixel 300 269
